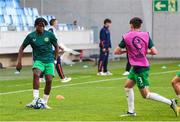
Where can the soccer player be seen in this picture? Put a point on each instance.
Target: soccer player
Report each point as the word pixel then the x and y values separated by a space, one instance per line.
pixel 105 46
pixel 138 44
pixel 53 26
pixel 41 42
pixel 176 84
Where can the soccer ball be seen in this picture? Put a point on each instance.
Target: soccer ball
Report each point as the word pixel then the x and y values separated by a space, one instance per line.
pixel 39 104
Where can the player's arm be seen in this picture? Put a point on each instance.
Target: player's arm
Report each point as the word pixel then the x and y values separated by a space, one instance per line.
pixel 56 46
pixel 103 44
pixel 152 50
pixel 120 49
pixel 20 53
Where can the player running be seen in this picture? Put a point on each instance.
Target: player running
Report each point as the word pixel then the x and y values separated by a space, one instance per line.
pixel 53 26
pixel 41 42
pixel 138 44
pixel 105 46
pixel 176 84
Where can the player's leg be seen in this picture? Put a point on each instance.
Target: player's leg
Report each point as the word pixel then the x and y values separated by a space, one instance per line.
pixel 128 67
pixel 176 84
pixel 59 68
pixel 38 68
pixel 130 95
pixel 47 90
pixel 106 64
pixel 60 71
pixel 143 83
pixel 100 62
pixel 49 74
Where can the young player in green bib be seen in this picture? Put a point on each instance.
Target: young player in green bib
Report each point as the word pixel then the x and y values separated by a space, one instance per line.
pixel 41 42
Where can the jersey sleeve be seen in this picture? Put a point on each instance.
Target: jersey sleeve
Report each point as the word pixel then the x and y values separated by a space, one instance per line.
pixel 26 41
pixel 122 44
pixel 151 44
pixel 53 39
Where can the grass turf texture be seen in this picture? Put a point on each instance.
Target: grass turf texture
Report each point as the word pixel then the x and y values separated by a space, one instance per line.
pixel 87 96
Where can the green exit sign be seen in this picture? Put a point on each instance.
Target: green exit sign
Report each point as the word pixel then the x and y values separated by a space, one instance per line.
pixel 165 5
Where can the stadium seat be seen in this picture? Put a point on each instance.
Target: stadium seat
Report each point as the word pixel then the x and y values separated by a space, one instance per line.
pixel 7 19
pixel 26 12
pixel 2 3
pixel 23 20
pixel 30 21
pixel 15 20
pixel 10 11
pixel 30 11
pixel 20 11
pixel 1 11
pixel 4 28
pixel 1 20
pixel 35 12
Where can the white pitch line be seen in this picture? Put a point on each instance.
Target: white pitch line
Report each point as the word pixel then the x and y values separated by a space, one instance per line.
pixel 88 82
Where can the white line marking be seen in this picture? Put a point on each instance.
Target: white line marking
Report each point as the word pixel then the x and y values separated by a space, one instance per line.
pixel 88 82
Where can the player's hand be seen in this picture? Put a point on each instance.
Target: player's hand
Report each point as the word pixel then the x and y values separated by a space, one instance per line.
pixel 55 61
pixel 104 49
pixel 109 49
pixel 19 66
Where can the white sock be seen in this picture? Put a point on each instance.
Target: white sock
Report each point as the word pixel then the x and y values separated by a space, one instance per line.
pixel 178 96
pixel 130 99
pixel 159 98
pixel 35 93
pixel 46 97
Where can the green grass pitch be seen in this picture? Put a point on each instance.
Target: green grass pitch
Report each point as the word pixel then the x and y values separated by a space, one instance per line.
pixel 88 96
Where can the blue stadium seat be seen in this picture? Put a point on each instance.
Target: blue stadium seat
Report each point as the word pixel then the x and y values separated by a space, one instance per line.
pixel 23 20
pixel 30 11
pixel 26 12
pixel 1 11
pixel 35 12
pixel 30 21
pixel 20 11
pixel 7 19
pixel 12 3
pixel 15 20
pixel 1 20
pixel 2 3
pixel 10 11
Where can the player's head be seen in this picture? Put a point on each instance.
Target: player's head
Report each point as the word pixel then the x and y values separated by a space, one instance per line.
pixel 53 22
pixel 40 24
pixel 136 23
pixel 107 23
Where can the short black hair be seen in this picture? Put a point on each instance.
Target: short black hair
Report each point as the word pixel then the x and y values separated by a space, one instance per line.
pixel 136 22
pixel 40 20
pixel 107 21
pixel 51 22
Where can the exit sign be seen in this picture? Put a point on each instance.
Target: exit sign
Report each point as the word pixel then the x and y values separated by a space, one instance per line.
pixel 165 5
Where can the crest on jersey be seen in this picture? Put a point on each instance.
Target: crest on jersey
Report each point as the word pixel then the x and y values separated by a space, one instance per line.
pixel 46 39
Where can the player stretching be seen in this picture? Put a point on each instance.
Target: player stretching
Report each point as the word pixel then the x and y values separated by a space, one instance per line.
pixel 105 45
pixel 54 24
pixel 41 42
pixel 138 44
pixel 176 84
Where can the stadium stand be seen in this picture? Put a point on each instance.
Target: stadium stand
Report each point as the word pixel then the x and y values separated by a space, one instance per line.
pixel 15 17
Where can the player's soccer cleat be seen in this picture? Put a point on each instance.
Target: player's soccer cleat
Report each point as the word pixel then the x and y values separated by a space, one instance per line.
pixel 108 73
pixel 128 114
pixel 47 107
pixel 174 107
pixel 101 74
pixel 126 73
pixel 32 104
pixel 65 80
pixel 42 80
